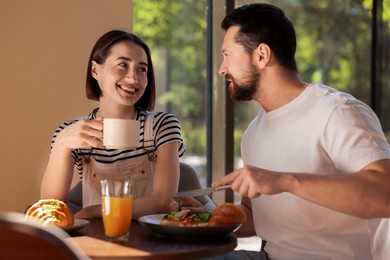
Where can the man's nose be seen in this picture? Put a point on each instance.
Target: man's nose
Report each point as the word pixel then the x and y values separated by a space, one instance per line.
pixel 222 69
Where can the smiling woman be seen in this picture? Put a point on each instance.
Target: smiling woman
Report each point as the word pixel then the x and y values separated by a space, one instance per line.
pixel 120 77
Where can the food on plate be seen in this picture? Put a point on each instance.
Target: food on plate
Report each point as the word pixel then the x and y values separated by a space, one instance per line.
pixel 186 218
pixel 51 212
pixel 225 214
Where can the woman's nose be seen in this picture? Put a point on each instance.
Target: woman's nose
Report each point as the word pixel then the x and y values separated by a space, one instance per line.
pixel 131 77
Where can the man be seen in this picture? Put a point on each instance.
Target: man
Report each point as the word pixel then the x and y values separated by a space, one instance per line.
pixel 316 180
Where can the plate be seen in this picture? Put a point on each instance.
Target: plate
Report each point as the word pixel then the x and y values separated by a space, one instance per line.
pixel 152 222
pixel 78 224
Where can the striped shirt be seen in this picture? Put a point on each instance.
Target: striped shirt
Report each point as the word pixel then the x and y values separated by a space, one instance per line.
pixel 166 129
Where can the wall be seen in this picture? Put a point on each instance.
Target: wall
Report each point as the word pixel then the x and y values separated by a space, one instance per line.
pixel 44 49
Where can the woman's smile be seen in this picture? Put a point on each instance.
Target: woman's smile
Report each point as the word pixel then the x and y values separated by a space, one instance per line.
pixel 128 90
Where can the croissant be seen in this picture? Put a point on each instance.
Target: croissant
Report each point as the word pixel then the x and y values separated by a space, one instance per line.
pixel 227 214
pixel 51 212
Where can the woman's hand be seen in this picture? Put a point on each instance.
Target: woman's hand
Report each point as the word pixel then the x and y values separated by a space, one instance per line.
pixel 82 134
pixel 190 203
pixel 59 171
pixel 94 211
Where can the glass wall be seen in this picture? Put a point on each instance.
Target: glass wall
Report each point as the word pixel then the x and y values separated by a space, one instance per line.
pixel 382 78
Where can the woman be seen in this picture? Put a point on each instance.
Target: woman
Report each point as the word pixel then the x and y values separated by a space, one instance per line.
pixel 120 76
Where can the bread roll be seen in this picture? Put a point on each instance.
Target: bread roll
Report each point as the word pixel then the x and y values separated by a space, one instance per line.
pixel 51 212
pixel 227 214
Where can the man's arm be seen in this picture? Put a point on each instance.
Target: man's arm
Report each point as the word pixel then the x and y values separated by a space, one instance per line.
pixel 364 194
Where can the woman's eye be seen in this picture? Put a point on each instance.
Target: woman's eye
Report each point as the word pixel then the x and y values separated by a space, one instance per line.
pixel 143 70
pixel 124 65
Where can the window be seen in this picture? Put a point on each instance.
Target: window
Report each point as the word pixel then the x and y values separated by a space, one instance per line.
pixel 176 34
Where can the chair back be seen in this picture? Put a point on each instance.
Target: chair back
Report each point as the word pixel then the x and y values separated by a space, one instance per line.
pixel 20 239
pixel 189 181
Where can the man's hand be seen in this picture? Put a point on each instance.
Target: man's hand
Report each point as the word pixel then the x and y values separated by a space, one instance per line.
pixel 251 181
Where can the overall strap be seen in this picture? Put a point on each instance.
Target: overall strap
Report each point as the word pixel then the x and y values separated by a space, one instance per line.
pixel 149 142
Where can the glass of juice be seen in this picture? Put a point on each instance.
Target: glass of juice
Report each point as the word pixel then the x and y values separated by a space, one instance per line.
pixel 117 202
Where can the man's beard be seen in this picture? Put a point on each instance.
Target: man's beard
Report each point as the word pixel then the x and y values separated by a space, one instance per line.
pixel 245 91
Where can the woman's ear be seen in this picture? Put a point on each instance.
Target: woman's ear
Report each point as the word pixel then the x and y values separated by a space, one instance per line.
pixel 94 69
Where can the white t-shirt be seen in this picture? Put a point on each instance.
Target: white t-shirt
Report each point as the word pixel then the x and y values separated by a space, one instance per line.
pixel 323 132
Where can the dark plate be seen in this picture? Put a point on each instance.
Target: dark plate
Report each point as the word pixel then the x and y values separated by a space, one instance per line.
pixel 152 222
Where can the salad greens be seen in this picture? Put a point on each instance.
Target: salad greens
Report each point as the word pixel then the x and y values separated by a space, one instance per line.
pixel 182 215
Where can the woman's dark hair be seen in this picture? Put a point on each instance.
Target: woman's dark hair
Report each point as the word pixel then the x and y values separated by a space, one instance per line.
pixel 264 23
pixel 99 54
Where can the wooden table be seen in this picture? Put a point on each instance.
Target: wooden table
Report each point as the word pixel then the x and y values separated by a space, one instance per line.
pixel 143 244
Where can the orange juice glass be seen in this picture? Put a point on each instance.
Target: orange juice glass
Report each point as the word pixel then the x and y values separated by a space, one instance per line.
pixel 117 202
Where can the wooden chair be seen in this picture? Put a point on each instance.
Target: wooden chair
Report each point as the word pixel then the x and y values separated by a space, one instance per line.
pixel 20 239
pixel 188 181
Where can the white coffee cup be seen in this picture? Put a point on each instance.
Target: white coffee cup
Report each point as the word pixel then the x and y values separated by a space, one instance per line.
pixel 120 133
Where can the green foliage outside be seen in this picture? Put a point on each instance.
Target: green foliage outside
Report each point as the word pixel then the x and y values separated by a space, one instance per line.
pixel 334 38
pixel 179 28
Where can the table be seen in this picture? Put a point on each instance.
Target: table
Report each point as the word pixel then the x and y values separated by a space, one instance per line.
pixel 143 244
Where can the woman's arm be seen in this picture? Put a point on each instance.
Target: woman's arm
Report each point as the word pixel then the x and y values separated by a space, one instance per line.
pixel 58 174
pixel 165 183
pixel 59 171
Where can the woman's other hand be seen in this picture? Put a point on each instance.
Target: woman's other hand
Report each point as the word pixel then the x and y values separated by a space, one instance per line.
pixel 190 203
pixel 94 211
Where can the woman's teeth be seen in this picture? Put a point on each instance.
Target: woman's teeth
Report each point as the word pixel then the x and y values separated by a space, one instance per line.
pixel 128 89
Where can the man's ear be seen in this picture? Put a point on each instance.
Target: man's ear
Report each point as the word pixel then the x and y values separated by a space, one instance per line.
pixel 263 52
pixel 94 69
